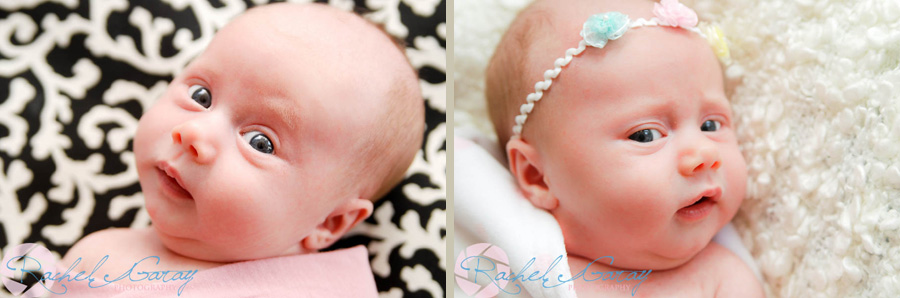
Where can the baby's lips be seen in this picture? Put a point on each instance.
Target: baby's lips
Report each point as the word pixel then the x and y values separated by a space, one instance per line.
pixel 174 174
pixel 712 194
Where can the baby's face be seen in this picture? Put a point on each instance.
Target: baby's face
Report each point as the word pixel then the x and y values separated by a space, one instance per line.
pixel 637 134
pixel 250 148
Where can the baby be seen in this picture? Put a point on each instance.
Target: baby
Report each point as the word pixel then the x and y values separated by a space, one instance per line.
pixel 632 149
pixel 273 142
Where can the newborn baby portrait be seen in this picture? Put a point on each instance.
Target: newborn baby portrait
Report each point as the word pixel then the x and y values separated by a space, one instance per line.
pixel 256 151
pixel 265 165
pixel 597 154
pixel 614 120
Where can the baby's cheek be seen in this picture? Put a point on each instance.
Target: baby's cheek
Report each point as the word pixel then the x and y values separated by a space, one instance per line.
pixel 737 172
pixel 237 230
pixel 736 182
pixel 155 129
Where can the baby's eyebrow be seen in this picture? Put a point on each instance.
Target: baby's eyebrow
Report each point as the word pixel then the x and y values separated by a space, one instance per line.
pixel 716 102
pixel 647 106
pixel 285 110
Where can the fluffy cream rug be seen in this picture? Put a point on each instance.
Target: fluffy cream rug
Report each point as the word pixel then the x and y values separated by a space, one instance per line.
pixel 817 98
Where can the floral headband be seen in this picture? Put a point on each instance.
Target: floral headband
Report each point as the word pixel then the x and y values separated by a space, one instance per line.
pixel 601 28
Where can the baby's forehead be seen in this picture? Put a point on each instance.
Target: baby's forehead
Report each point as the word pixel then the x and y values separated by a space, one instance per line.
pixel 313 48
pixel 300 29
pixel 551 27
pixel 634 63
pixel 290 19
pixel 330 64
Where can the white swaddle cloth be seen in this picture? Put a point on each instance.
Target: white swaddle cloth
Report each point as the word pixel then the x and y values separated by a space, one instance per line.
pixel 490 209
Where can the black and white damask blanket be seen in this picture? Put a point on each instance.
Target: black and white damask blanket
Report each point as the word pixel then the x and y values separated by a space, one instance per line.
pixel 76 75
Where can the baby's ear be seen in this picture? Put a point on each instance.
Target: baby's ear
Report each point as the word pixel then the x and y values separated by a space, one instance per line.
pixel 337 224
pixel 525 165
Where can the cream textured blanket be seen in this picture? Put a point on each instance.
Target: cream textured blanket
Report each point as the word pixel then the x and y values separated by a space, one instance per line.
pixel 816 101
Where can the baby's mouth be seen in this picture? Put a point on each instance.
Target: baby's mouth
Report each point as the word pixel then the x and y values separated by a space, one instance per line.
pixel 702 200
pixel 171 183
pixel 701 207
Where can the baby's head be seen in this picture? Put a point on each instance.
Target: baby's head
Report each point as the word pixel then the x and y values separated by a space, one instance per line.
pixel 277 139
pixel 628 136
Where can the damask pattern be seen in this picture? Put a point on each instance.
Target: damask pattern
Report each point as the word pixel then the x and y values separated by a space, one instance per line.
pixel 75 76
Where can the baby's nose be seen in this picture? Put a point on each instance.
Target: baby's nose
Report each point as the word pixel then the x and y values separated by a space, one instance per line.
pixel 699 158
pixel 197 144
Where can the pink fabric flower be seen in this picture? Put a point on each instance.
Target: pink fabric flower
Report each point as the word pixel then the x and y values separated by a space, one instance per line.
pixel 675 14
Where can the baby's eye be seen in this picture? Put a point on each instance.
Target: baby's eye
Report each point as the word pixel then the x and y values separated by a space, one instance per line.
pixel 201 95
pixel 710 125
pixel 646 135
pixel 260 142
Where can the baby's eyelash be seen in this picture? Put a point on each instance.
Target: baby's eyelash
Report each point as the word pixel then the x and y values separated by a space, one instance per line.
pixel 646 135
pixel 259 141
pixel 201 95
pixel 711 125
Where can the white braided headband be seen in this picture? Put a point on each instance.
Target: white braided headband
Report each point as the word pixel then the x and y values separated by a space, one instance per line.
pixel 601 28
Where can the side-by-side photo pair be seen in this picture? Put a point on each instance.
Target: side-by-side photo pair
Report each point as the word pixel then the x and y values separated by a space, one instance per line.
pixel 449 148
pixel 223 148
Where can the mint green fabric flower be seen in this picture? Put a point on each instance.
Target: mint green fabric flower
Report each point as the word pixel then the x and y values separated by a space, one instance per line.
pixel 601 28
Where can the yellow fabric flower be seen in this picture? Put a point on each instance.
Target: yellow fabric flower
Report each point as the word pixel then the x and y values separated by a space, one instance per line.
pixel 717 40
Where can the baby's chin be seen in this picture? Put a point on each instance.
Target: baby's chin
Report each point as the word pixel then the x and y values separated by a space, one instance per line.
pixel 656 255
pixel 201 250
pixel 648 260
pixel 190 248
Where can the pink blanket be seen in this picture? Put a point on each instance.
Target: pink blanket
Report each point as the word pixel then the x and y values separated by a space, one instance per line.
pixel 340 273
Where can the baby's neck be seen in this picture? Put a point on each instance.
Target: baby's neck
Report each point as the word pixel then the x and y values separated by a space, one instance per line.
pixel 697 277
pixel 598 276
pixel 600 270
pixel 153 244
